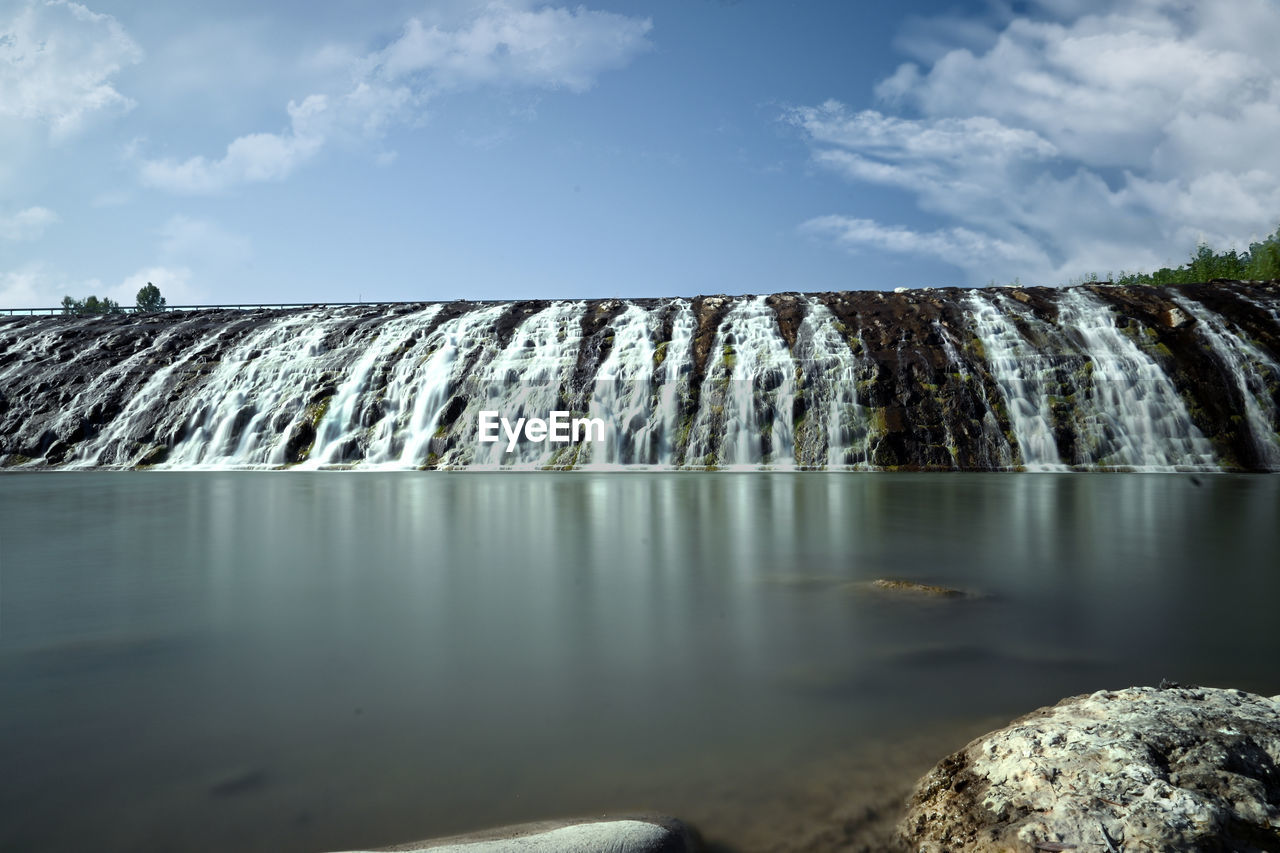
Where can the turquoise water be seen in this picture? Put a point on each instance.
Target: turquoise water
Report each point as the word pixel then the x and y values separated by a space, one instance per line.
pixel 309 661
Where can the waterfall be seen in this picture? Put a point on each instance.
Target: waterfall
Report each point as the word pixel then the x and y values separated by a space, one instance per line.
pixel 1026 373
pixel 1134 416
pixel 418 390
pixel 1031 378
pixel 637 389
pixel 834 428
pixel 744 419
pixel 1254 373
pixel 341 421
pixel 525 380
pixel 994 450
pixel 235 418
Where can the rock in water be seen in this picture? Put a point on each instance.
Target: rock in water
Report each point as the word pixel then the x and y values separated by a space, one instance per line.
pixel 641 834
pixel 1141 769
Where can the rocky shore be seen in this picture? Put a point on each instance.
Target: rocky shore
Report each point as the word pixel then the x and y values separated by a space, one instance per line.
pixel 1137 770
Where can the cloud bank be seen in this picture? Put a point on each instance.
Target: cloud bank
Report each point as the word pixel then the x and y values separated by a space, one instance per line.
pixel 57 59
pixel 1087 139
pixel 504 44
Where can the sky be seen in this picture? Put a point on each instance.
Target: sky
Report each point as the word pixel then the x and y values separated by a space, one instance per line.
pixel 296 151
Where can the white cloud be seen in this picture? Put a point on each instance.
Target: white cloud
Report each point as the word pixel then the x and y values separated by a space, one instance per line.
pixel 184 238
pixel 1108 136
pixel 38 286
pixel 960 246
pixel 26 224
pixel 174 282
pixel 506 44
pixel 25 288
pixel 57 59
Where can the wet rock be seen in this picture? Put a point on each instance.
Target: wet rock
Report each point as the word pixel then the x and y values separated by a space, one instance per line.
pixel 913 588
pixel 1140 769
pixel 299 442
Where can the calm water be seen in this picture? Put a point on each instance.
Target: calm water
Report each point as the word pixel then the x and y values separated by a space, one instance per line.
pixel 289 661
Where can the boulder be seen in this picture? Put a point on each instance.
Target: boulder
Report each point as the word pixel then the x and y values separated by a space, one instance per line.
pixel 1140 769
pixel 640 834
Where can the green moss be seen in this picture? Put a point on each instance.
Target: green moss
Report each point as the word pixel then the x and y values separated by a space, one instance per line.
pixel 878 422
pixel 660 354
pixel 14 459
pixel 682 435
pixel 316 412
pixel 730 357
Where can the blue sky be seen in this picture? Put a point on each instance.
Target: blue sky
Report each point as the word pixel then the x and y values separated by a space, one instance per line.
pixel 239 151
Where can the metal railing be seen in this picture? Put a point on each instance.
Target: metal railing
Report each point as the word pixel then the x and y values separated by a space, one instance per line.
pixel 272 306
pixel 239 306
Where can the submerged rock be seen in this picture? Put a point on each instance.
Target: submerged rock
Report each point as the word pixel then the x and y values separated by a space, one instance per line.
pixel 911 587
pixel 1140 769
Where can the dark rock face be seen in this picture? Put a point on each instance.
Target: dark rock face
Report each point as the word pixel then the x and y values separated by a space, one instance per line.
pixel 1095 377
pixel 1141 769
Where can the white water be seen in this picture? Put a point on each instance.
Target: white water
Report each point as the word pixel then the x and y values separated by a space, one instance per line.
pixel 1134 417
pixel 747 393
pixel 525 381
pixel 341 425
pixel 1024 373
pixel 234 418
pixel 1251 371
pixel 836 429
pixel 623 396
pixel 997 452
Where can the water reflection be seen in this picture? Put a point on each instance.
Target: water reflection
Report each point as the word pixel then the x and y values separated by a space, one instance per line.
pixel 389 656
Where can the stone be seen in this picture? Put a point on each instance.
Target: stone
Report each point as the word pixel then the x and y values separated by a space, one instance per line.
pixel 1175 318
pixel 1139 769
pixel 892 585
pixel 641 834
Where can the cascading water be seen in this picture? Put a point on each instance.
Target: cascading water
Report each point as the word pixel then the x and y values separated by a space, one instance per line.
pixel 1084 378
pixel 418 390
pixel 994 450
pixel 834 429
pixel 235 417
pixel 745 416
pixel 624 396
pixel 1134 417
pixel 525 380
pixel 339 427
pixel 1254 373
pixel 1025 373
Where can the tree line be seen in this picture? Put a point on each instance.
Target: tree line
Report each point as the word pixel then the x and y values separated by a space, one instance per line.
pixel 1260 261
pixel 149 300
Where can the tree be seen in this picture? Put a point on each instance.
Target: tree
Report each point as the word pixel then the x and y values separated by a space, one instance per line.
pixel 90 305
pixel 149 299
